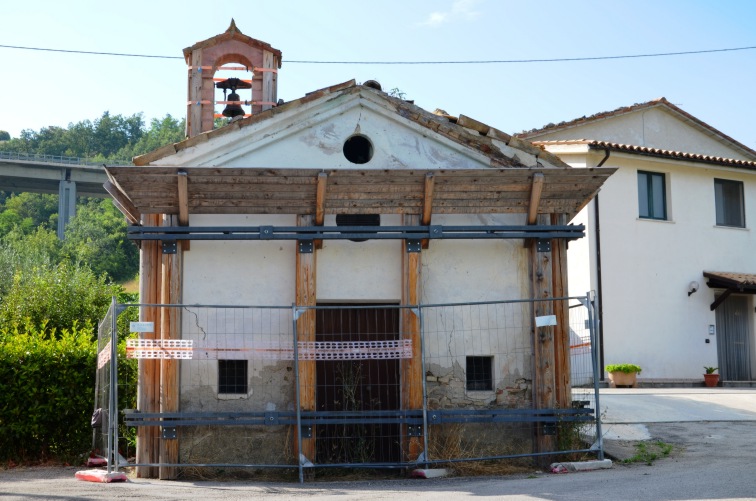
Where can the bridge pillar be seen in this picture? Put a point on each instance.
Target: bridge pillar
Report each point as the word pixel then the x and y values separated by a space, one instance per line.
pixel 66 205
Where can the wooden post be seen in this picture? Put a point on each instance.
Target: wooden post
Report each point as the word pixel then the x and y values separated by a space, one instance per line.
pixel 306 274
pixel 411 371
pixel 543 341
pixel 148 388
pixel 562 312
pixel 169 369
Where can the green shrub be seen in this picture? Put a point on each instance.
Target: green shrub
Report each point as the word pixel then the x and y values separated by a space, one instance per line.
pixel 57 297
pixel 46 393
pixel 47 386
pixel 626 368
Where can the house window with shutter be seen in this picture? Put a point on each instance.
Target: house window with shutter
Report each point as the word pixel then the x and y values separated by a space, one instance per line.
pixel 730 207
pixel 652 195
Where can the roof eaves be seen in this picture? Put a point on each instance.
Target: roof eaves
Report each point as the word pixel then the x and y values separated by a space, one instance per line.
pixel 653 152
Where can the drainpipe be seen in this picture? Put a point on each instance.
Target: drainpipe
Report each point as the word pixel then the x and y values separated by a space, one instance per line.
pixel 597 225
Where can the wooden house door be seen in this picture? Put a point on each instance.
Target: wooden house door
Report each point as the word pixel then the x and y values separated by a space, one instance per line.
pixel 357 386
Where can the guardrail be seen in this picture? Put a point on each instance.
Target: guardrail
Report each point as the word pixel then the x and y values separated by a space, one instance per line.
pixel 59 159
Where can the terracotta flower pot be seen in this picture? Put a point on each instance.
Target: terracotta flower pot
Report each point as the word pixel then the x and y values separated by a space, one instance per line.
pixel 623 379
pixel 711 380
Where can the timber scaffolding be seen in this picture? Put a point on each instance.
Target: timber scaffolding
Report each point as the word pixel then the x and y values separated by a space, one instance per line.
pixel 158 202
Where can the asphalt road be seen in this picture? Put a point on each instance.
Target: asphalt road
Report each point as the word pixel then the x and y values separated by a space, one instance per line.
pixel 710 459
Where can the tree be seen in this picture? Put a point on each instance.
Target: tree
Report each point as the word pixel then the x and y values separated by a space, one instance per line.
pixel 28 211
pixel 56 297
pixel 96 237
pixel 4 135
pixel 104 137
pixel 22 252
pixel 166 130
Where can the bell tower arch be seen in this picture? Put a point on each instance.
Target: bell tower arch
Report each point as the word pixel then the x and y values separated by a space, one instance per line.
pixel 205 58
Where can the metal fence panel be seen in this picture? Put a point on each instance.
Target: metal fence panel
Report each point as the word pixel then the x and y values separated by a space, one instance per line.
pixel 251 395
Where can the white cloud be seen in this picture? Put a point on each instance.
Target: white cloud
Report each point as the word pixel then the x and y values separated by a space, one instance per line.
pixel 460 9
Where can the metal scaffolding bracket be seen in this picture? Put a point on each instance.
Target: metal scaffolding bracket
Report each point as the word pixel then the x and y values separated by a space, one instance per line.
pixel 543 245
pixel 414 245
pixel 306 246
pixel 169 433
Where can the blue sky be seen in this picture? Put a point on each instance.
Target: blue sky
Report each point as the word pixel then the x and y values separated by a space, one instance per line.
pixel 38 88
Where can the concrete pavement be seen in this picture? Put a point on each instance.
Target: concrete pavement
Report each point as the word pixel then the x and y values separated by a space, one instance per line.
pixel 627 413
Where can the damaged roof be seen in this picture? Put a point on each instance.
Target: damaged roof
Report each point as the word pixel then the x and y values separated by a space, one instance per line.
pixel 463 130
pixel 502 173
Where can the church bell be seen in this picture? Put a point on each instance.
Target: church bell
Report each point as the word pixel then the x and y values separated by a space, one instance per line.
pixel 232 110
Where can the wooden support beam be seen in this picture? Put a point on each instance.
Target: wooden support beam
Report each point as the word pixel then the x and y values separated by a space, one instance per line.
pixel 320 199
pixel 306 281
pixel 535 197
pixel 721 298
pixel 411 369
pixel 562 312
pixel 170 328
pixel 122 202
pixel 183 198
pixel 544 395
pixel 427 205
pixel 428 199
pixel 148 388
pixel 320 196
pixel 183 203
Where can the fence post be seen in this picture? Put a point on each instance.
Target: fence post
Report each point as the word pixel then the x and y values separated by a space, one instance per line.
pixel 298 432
pixel 591 305
pixel 426 451
pixel 112 455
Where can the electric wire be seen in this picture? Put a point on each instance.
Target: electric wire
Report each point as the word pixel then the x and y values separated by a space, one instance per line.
pixel 489 61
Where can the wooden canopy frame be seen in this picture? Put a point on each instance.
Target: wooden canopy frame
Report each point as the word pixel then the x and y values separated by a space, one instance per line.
pixel 213 190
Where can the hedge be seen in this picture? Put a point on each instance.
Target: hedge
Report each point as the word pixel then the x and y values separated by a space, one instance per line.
pixel 47 382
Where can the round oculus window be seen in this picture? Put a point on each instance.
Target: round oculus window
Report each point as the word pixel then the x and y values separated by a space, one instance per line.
pixel 358 149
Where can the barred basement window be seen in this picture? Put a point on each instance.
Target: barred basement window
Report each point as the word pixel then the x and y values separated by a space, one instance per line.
pixel 480 373
pixel 232 376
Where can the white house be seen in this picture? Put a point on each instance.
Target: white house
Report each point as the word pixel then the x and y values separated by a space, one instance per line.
pixel 670 247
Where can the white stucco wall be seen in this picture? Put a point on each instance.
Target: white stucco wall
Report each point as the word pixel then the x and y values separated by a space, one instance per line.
pixel 360 272
pixel 647 265
pixel 654 128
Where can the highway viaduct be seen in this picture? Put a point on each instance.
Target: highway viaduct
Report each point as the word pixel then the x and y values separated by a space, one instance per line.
pixel 69 177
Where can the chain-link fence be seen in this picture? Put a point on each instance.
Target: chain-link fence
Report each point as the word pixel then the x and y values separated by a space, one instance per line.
pixel 342 385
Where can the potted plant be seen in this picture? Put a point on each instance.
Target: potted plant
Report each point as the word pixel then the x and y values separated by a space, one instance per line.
pixel 711 378
pixel 623 375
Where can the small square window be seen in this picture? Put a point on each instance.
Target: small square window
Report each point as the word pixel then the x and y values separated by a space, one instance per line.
pixel 728 197
pixel 232 376
pixel 480 373
pixel 652 195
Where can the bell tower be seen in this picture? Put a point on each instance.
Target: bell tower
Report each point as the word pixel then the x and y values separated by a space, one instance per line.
pixel 205 58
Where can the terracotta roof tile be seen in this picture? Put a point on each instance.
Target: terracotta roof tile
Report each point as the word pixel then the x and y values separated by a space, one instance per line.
pixel 731 279
pixel 655 152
